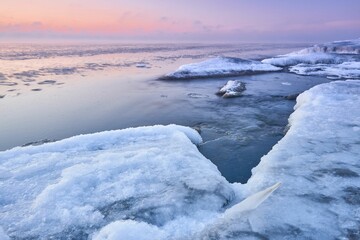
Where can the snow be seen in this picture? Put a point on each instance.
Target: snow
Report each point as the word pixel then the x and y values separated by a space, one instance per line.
pixel 339 47
pixel 220 66
pixel 338 59
pixel 343 70
pixel 308 58
pixel 3 235
pixel 129 230
pixel 78 185
pixel 233 88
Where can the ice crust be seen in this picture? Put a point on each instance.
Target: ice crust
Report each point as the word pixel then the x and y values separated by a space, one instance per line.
pixel 220 66
pixel 334 60
pixel 152 181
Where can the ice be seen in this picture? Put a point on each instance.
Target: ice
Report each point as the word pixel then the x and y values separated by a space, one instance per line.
pixel 220 66
pixel 75 186
pixel 3 235
pixel 129 230
pixel 292 59
pixel 327 53
pixel 132 230
pixel 233 88
pixel 339 47
pixel 343 70
pixel 317 163
pixel 152 181
pixel 336 60
pixel 142 65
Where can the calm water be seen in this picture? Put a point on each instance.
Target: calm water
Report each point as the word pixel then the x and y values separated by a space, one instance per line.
pixel 54 92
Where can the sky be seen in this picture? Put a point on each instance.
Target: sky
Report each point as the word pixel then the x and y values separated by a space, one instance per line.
pixel 180 20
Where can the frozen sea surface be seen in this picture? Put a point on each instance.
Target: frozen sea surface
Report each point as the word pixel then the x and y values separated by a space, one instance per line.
pixel 153 181
pixel 335 60
pixel 73 187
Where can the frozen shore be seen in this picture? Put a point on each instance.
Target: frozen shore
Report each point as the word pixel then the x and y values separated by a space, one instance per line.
pixel 335 60
pixel 146 181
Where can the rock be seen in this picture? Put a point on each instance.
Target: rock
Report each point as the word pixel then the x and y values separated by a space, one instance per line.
pixel 233 88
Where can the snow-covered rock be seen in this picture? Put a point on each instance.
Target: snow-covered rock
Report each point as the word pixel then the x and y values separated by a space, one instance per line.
pixel 233 88
pixel 220 66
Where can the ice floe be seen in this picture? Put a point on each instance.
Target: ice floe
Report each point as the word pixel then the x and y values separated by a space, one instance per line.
pixel 220 66
pixel 334 60
pixel 233 88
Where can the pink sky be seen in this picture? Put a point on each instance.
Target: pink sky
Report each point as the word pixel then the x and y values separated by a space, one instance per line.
pixel 187 20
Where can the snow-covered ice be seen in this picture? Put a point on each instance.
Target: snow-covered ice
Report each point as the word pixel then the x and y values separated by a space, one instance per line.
pixel 294 58
pixel 233 88
pixel 318 164
pixel 152 181
pixel 221 66
pixel 75 186
pixel 338 59
pixel 327 53
pixel 339 47
pixel 347 70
